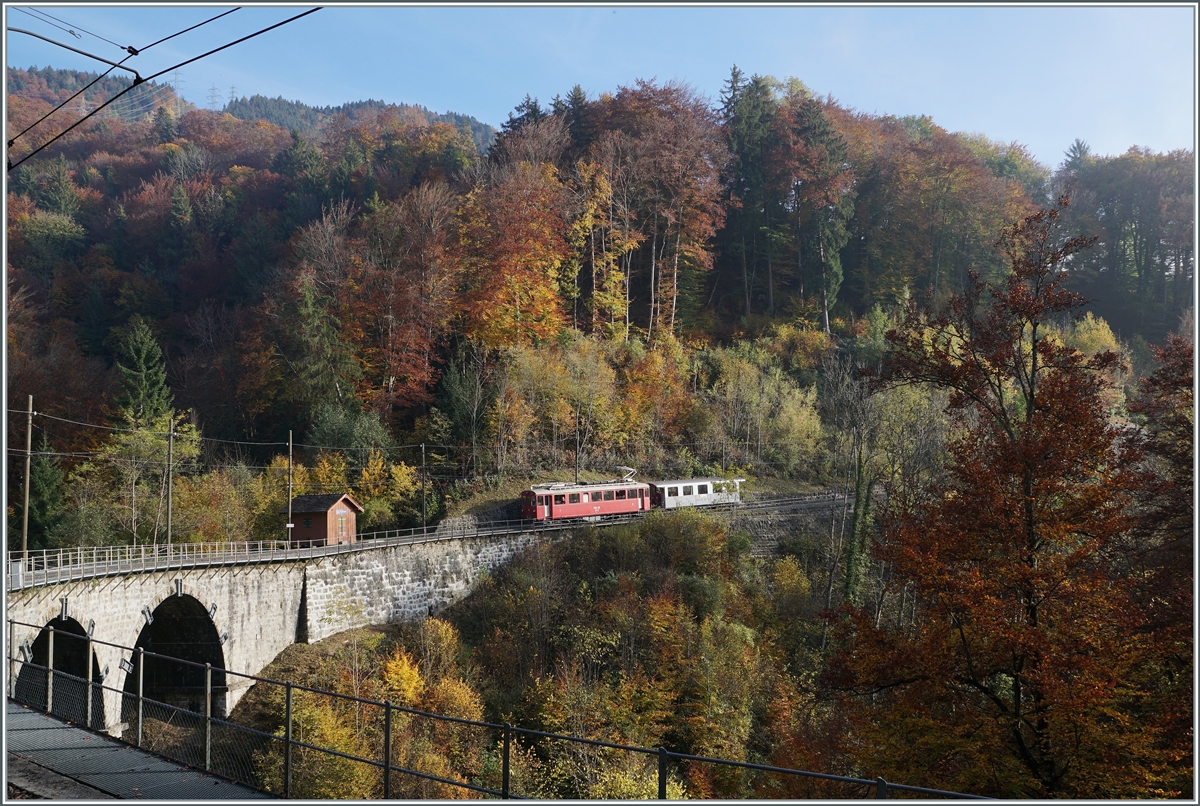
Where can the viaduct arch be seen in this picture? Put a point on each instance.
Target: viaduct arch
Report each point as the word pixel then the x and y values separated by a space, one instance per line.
pixel 236 617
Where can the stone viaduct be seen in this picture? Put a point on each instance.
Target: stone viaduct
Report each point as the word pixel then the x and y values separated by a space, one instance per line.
pixel 239 617
pixel 237 612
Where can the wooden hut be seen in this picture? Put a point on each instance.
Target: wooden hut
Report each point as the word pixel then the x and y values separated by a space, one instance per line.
pixel 324 520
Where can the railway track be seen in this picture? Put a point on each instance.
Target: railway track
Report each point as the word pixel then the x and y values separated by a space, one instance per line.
pixel 53 566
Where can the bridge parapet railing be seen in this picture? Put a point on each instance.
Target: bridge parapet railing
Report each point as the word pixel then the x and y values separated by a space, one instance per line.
pixel 49 566
pixel 52 566
pixel 292 753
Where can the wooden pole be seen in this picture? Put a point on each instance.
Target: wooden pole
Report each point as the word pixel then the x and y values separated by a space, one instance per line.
pixel 25 508
pixel 170 476
pixel 289 518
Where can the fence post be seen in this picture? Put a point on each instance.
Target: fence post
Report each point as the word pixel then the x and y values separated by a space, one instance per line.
pixel 12 659
pixel 50 675
pixel 662 772
pixel 208 716
pixel 387 749
pixel 87 720
pixel 141 676
pixel 287 753
pixel 881 789
pixel 504 764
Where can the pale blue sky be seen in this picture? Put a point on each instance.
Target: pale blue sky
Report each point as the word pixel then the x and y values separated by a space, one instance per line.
pixel 1116 76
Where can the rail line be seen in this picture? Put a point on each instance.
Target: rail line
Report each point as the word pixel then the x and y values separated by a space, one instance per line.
pixel 53 566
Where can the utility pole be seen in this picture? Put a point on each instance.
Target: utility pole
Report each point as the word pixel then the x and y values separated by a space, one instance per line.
pixel 289 518
pixel 170 475
pixel 422 487
pixel 25 509
pixel 577 442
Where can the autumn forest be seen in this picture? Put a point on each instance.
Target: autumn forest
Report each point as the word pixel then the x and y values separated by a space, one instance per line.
pixel 991 357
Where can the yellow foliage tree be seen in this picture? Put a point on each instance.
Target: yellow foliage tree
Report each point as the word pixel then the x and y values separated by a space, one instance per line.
pixel 318 775
pixel 211 508
pixel 402 679
pixel 269 497
pixel 329 473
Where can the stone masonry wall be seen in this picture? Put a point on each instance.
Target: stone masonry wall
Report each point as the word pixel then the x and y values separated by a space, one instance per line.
pixel 400 583
pixel 259 610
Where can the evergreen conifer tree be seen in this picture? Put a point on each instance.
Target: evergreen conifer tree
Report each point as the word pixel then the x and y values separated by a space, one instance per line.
pixel 165 125
pixel 144 395
pixel 45 502
pixel 56 189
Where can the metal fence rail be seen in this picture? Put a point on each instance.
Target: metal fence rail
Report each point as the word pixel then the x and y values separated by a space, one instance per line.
pixel 52 566
pixel 295 760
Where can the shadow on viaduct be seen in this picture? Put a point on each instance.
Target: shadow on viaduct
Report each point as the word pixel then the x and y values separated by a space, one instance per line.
pixel 240 617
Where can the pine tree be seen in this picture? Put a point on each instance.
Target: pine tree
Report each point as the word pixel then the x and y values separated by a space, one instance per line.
pixel 748 112
pixel 45 497
pixel 144 395
pixel 165 125
pixel 56 189
pixel 817 181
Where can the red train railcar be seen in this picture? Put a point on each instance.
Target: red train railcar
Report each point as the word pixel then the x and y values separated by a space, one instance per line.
pixel 546 502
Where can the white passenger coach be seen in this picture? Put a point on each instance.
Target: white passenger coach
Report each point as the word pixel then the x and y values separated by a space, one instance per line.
pixel 695 492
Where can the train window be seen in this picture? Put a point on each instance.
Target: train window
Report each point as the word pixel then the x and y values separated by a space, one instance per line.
pixel 687 489
pixel 702 489
pixel 718 487
pixel 672 492
pixel 560 499
pixel 573 498
pixel 608 495
pixel 620 495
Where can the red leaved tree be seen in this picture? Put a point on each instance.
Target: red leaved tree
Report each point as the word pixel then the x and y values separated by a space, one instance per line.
pixel 1018 671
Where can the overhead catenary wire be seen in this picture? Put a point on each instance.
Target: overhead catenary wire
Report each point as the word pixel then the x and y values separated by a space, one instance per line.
pixel 132 52
pixel 137 78
pixel 64 103
pixel 52 25
pixel 91 114
pixel 194 27
pixel 387 450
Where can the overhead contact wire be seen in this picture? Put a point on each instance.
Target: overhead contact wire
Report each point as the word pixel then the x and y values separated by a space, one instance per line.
pixel 64 103
pixel 89 115
pixel 52 25
pixel 132 52
pixel 185 30
pixel 71 30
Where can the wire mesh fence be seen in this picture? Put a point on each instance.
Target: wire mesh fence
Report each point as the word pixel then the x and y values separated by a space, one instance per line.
pixel 301 742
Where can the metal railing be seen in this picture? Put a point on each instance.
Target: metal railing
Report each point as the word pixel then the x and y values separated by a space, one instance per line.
pixel 52 566
pixel 185 723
